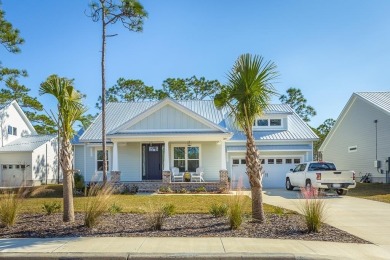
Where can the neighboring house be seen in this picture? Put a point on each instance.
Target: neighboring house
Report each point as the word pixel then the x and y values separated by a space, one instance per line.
pixel 25 158
pixel 145 139
pixel 360 139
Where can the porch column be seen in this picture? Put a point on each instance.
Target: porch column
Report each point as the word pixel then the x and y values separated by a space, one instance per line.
pixel 166 156
pixel 115 157
pixel 223 155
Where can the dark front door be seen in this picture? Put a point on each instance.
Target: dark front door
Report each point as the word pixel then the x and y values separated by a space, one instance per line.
pixel 152 161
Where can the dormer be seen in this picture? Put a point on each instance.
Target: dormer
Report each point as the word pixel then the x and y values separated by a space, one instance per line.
pixel 271 121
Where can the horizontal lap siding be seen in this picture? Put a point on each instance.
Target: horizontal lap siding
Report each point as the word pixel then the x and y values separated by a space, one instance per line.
pixel 79 158
pixel 211 160
pixel 358 128
pixel 129 160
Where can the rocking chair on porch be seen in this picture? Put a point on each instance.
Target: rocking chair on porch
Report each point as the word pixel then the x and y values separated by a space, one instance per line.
pixel 176 174
pixel 198 175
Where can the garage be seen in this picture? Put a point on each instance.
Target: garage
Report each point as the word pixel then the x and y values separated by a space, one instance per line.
pixel 275 169
pixel 12 175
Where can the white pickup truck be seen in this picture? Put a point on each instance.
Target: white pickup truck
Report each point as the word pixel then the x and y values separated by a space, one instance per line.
pixel 320 175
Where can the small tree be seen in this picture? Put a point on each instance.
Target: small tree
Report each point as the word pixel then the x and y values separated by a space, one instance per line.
pixel 70 110
pixel 131 14
pixel 246 96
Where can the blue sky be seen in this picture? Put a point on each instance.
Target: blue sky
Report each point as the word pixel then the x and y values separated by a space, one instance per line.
pixel 329 49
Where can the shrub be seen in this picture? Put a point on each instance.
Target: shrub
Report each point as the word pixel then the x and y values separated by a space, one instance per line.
pixel 219 210
pixel 235 213
pixel 51 207
pixel 97 203
pixel 201 189
pixel 10 203
pixel 157 215
pixel 165 189
pixel 114 208
pixel 313 210
pixel 183 190
pixel 78 181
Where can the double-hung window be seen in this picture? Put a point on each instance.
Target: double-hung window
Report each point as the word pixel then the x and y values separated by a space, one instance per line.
pixel 186 158
pixel 99 160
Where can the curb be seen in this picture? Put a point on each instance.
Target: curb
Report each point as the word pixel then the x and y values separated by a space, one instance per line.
pixel 126 256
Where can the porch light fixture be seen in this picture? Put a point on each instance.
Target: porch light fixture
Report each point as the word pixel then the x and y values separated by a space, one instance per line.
pixel 189 143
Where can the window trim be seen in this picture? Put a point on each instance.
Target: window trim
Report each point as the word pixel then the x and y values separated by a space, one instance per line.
pixel 109 159
pixel 186 154
pixel 282 125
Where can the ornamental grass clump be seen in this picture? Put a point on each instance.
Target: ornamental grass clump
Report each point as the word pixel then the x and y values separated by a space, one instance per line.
pixel 235 212
pixel 218 210
pixel 10 204
pixel 97 203
pixel 312 208
pixel 157 215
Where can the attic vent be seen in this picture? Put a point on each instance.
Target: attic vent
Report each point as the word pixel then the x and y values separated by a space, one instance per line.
pixel 352 149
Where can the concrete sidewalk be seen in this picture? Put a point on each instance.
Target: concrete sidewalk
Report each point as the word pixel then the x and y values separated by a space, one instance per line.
pixel 199 248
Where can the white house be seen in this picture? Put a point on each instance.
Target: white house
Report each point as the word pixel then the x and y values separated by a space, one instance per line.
pixel 146 139
pixel 25 157
pixel 360 139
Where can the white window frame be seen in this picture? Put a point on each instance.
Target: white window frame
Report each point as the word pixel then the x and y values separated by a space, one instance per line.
pixel 269 127
pixel 186 154
pixel 109 159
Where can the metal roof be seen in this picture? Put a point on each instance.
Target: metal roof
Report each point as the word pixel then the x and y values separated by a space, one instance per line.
pixel 118 114
pixel 297 128
pixel 27 143
pixel 379 99
pixel 271 148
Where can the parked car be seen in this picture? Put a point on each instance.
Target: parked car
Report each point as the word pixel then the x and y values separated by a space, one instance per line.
pixel 320 175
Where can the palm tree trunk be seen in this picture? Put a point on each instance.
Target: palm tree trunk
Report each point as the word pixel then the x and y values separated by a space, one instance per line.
pixel 66 165
pixel 254 169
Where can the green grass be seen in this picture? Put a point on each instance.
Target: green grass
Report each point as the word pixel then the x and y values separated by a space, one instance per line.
pixel 372 191
pixel 136 203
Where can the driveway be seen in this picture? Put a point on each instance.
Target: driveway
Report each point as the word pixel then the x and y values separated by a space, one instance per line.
pixel 363 218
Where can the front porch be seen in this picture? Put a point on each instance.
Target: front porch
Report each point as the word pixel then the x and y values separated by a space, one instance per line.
pixel 222 185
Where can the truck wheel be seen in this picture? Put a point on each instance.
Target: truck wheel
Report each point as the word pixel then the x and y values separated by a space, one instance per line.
pixel 342 192
pixel 288 184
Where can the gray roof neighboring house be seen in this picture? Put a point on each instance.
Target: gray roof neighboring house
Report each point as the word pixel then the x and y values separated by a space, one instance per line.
pixel 117 114
pixel 27 143
pixel 379 99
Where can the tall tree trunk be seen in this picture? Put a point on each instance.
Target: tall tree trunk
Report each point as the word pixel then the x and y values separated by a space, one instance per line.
pixel 254 169
pixel 104 94
pixel 66 166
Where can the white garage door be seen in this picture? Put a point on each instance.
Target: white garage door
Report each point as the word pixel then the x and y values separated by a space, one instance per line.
pixel 11 175
pixel 275 169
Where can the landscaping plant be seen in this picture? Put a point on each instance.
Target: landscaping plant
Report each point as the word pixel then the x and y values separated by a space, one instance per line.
pixel 114 208
pixel 51 207
pixel 157 215
pixel 218 211
pixel 313 209
pixel 235 213
pixel 10 203
pixel 97 203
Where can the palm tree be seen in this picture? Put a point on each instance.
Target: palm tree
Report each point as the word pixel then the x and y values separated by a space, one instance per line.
pixel 70 110
pixel 246 96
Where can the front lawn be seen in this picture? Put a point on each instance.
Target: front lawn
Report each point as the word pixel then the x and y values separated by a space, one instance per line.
pixel 371 191
pixel 184 204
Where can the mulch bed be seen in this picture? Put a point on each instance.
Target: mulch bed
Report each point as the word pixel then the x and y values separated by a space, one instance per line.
pixel 288 226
